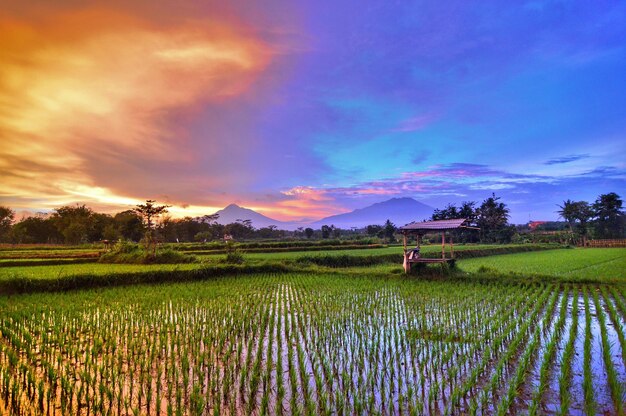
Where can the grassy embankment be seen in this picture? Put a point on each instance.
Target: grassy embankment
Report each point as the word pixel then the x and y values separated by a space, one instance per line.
pixel 36 277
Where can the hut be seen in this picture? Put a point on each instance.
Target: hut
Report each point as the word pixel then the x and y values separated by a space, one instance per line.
pixel 418 229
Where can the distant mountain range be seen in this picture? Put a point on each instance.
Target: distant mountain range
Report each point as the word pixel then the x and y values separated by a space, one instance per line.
pixel 400 211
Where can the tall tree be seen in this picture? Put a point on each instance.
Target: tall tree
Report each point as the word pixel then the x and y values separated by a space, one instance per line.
pixel 569 212
pixel 467 211
pixel 36 230
pixel 583 214
pixel 209 218
pixel 493 217
pixel 373 230
pixel 389 231
pixel 74 223
pixel 577 214
pixel 150 212
pixel 129 225
pixel 448 213
pixel 609 216
pixel 240 229
pixel 7 215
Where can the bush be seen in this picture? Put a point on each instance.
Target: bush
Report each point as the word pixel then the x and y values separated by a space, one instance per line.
pixel 169 256
pixel 125 247
pixel 233 255
pixel 276 245
pixel 130 253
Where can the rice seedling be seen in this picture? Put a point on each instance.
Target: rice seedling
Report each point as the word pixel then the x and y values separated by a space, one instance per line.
pixel 590 404
pixel 565 377
pixel 299 343
pixel 616 387
pixel 549 352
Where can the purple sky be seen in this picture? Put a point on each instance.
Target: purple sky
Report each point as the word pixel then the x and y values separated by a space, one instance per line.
pixel 302 110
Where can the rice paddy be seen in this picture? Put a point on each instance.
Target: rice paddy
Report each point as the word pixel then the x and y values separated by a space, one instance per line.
pixel 323 342
pixel 581 265
pixel 311 344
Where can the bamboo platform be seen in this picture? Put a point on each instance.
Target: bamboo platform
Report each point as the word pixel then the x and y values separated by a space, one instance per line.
pixel 419 229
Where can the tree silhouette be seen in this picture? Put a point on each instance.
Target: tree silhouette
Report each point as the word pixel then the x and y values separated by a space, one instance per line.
pixel 609 216
pixel 150 212
pixel 6 219
pixel 493 217
pixel 569 212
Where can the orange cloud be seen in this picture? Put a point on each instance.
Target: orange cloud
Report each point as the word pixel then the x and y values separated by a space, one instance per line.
pixel 306 201
pixel 78 89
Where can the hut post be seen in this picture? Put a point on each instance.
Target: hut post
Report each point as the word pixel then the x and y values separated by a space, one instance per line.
pixel 405 263
pixel 443 244
pixel 451 247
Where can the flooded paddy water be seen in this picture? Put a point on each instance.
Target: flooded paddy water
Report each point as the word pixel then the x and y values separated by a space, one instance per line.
pixel 315 344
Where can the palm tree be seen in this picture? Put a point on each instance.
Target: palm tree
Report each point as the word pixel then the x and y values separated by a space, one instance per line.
pixel 568 212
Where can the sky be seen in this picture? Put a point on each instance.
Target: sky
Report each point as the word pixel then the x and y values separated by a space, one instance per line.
pixel 301 110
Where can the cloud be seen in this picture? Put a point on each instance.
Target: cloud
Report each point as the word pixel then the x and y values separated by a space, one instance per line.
pixel 454 171
pixel 566 159
pixel 96 97
pixel 445 183
pixel 416 123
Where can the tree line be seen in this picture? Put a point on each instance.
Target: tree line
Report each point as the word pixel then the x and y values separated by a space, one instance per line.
pixel 601 219
pixel 80 224
pixel 491 217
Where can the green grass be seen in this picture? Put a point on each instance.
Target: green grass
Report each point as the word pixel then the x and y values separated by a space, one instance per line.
pixel 384 261
pixel 45 262
pixel 98 269
pixel 48 254
pixel 579 265
pixel 397 250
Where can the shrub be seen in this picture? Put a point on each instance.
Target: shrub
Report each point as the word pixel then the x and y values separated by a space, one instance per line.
pixel 123 246
pixel 233 255
pixel 169 256
pixel 130 253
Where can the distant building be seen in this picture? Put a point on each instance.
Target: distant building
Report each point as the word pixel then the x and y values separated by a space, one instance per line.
pixel 534 224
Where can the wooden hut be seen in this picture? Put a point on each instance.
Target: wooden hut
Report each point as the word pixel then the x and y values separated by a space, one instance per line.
pixel 418 229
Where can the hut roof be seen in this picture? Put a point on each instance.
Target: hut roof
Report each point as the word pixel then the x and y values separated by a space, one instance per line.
pixel 428 226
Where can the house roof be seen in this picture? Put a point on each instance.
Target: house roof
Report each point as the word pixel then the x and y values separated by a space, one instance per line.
pixel 428 226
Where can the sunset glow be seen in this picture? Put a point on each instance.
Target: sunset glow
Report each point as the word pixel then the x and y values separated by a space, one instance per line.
pixel 81 89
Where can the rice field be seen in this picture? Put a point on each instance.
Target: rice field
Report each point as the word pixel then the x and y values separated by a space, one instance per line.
pixel 568 264
pixel 37 272
pixel 316 343
pixel 391 250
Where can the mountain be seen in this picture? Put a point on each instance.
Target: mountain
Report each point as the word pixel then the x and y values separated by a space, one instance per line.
pixel 234 212
pixel 400 211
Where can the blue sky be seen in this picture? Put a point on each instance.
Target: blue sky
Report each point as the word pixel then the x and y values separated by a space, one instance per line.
pixel 529 96
pixel 346 103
